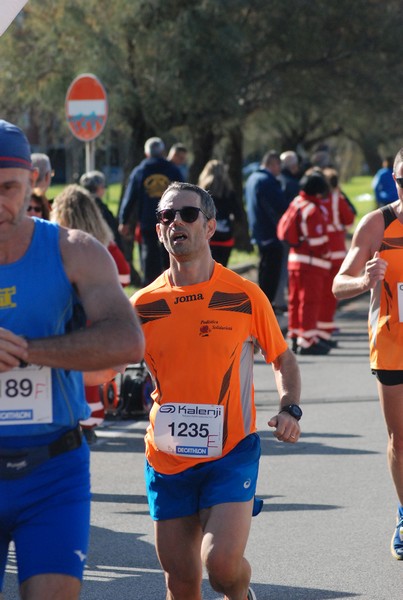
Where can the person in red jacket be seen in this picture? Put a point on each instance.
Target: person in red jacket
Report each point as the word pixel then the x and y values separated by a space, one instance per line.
pixel 341 215
pixel 308 266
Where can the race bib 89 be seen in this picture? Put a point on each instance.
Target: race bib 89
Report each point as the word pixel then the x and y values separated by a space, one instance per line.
pixel 26 396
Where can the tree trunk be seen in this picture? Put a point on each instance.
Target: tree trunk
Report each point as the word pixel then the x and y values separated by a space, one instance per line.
pixel 203 144
pixel 369 145
pixel 234 155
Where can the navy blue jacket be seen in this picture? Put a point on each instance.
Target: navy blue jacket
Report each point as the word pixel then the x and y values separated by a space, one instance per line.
pixel 147 182
pixel 265 203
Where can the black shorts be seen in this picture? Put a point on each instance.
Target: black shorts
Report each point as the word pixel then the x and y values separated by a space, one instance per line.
pixel 388 377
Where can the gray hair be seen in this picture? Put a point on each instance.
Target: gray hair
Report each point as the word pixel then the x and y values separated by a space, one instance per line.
pixel 289 159
pixel 42 163
pixel 154 147
pixel 92 180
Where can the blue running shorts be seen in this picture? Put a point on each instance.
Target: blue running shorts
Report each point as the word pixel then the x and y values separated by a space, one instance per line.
pixel 47 514
pixel 231 478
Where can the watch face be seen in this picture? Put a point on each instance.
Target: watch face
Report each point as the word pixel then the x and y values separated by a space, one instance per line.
pixel 295 411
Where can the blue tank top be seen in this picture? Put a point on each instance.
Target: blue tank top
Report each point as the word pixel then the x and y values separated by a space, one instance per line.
pixel 38 300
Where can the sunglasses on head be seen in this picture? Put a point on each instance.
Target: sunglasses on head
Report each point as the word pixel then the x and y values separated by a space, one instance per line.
pixel 399 181
pixel 188 214
pixel 36 209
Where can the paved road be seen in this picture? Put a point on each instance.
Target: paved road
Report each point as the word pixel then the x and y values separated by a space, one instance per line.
pixel 329 503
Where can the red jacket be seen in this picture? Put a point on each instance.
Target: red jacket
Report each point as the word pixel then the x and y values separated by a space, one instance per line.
pixel 313 251
pixel 341 216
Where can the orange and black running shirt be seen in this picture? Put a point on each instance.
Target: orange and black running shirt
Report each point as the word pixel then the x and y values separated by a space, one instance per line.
pixel 200 350
pixel 385 322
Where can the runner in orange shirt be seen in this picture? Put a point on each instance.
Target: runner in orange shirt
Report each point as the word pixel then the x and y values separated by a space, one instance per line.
pixel 200 322
pixel 374 263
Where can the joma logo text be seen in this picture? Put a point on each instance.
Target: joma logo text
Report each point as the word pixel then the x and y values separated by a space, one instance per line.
pixel 190 298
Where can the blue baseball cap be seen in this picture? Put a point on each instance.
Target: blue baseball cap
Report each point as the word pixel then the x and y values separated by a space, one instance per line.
pixel 15 152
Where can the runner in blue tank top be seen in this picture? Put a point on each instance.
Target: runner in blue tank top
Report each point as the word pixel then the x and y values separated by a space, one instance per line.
pixel 52 282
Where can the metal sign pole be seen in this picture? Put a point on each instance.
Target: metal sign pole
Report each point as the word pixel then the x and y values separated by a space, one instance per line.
pixel 89 156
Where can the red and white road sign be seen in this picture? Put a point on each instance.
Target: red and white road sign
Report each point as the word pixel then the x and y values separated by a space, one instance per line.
pixel 86 107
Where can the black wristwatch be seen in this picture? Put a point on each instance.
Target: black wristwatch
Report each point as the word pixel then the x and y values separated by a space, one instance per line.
pixel 294 410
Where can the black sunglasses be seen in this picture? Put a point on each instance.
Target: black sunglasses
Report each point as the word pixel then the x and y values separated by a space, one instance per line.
pixel 188 214
pixel 399 181
pixel 36 209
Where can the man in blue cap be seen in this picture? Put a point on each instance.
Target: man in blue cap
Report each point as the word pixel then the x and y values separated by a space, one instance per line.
pixel 52 281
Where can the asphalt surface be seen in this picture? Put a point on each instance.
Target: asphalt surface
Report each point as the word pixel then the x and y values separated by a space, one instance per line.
pixel 329 509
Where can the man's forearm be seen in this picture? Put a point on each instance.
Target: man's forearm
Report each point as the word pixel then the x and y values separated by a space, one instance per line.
pixel 99 346
pixel 345 286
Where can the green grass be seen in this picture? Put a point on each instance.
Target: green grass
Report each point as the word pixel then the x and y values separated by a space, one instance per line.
pixel 361 194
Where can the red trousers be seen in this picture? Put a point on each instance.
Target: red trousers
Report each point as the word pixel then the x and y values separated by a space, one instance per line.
pixel 326 324
pixel 305 288
pixel 94 400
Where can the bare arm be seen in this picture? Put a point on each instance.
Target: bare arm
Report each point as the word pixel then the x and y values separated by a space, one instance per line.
pixel 114 336
pixel 362 268
pixel 288 382
pixel 102 376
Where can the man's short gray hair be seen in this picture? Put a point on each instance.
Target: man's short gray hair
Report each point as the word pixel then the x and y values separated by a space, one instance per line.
pixel 42 163
pixel 289 159
pixel 92 180
pixel 154 147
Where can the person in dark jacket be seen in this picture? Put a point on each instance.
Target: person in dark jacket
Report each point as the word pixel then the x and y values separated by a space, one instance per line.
pixel 215 179
pixel 147 183
pixel 265 203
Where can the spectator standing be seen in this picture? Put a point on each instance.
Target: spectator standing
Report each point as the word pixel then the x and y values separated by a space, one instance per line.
pixel 289 179
pixel 215 179
pixel 147 183
pixel 75 208
pixel 374 264
pixel 383 183
pixel 38 207
pixel 341 214
pixel 308 266
pixel 95 183
pixel 289 176
pixel 49 275
pixel 44 173
pixel 265 203
pixel 201 487
pixel 178 155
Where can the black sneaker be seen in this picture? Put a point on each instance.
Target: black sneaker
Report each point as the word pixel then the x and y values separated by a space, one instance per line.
pixel 316 349
pixel 331 343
